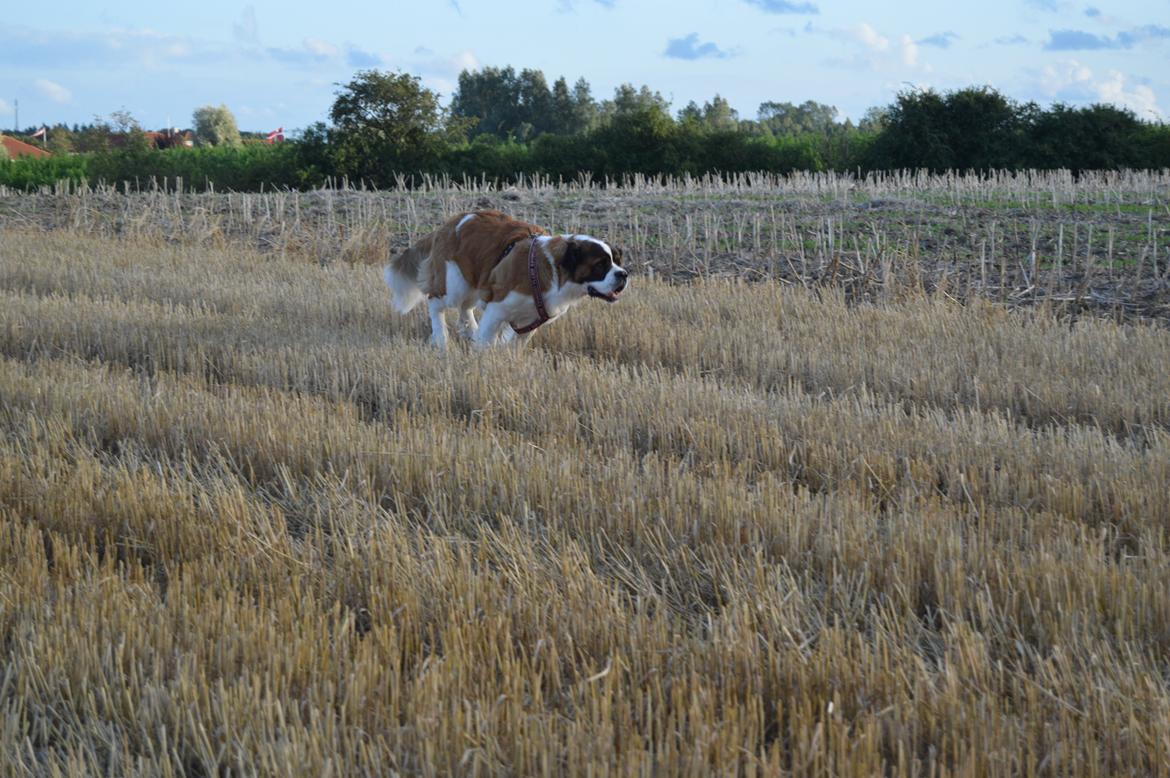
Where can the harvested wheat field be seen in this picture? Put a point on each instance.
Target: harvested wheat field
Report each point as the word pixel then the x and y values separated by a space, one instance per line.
pixel 251 524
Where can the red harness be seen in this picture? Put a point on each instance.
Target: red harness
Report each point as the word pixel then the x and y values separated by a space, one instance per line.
pixel 537 296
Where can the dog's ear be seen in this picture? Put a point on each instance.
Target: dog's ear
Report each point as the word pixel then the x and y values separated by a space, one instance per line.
pixel 572 256
pixel 617 256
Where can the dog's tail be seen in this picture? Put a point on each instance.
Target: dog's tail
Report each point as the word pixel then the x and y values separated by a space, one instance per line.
pixel 403 275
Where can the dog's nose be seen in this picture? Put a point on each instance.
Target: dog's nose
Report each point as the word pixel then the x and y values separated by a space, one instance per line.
pixel 621 276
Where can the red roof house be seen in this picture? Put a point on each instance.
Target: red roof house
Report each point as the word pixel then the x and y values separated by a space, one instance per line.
pixel 17 148
pixel 166 139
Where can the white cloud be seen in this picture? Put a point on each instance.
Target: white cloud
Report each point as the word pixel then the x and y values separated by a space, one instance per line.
pixel 1075 82
pixel 5 108
pixel 53 90
pixel 439 72
pixel 464 60
pixel 871 38
pixel 876 52
pixel 312 52
pixel 1139 98
pixel 1061 75
pixel 428 63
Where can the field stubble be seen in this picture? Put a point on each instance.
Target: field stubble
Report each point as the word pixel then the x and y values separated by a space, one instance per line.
pixel 249 522
pixel 1093 244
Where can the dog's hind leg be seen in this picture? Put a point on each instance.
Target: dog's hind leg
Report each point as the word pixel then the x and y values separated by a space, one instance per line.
pixel 467 323
pixel 459 296
pixel 438 310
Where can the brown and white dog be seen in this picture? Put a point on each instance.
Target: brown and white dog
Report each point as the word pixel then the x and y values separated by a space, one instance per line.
pixel 509 266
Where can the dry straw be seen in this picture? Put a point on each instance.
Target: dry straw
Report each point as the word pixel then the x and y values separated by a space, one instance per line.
pixel 1096 242
pixel 251 524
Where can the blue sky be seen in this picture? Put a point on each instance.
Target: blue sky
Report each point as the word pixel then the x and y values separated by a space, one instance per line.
pixel 278 63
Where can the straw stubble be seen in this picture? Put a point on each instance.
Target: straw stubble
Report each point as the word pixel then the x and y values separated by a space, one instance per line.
pixel 252 524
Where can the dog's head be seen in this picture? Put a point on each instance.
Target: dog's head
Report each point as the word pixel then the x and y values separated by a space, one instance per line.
pixel 596 266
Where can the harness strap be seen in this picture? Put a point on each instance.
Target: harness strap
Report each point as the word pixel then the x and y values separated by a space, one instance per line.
pixel 537 295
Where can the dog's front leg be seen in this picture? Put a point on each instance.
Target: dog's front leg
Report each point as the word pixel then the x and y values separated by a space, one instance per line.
pixel 494 317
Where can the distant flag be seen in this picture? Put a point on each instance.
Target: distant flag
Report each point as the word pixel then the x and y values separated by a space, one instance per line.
pixel 275 135
pixel 39 133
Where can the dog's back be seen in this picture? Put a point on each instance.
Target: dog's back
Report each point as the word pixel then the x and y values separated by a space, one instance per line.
pixel 474 240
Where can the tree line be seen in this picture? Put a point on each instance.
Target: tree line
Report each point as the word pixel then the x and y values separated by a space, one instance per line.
pixel 386 127
pixel 211 126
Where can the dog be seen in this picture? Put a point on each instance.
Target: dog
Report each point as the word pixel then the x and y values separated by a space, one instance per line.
pixel 521 276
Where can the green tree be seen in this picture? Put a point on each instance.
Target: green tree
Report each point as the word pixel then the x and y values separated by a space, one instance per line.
pixel 491 97
pixel 975 128
pixel 92 138
pixel 628 101
pixel 536 104
pixel 563 108
pixel 638 140
pixel 984 129
pixel 574 110
pixel 788 119
pixel 584 106
pixel 691 114
pixel 874 119
pixel 3 151
pixel 314 160
pixel 120 130
pixel 518 106
pixel 388 123
pixel 1095 137
pixel 1152 145
pixel 60 139
pixel 124 122
pixel 718 115
pixel 215 126
pixel 916 134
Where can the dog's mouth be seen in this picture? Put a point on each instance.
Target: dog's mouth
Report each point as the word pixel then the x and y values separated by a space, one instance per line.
pixel 609 297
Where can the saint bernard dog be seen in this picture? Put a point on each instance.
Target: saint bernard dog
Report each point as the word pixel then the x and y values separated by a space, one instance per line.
pixel 520 275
